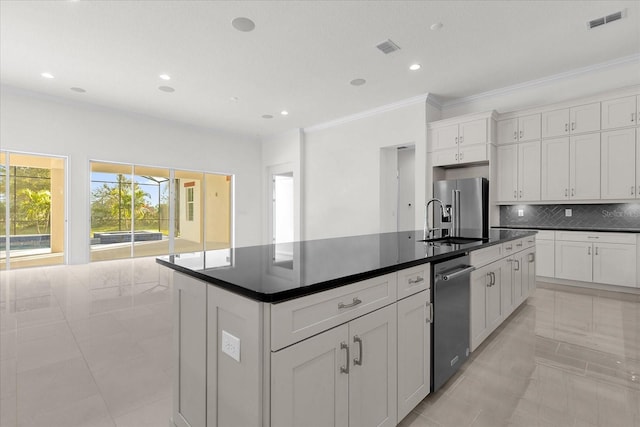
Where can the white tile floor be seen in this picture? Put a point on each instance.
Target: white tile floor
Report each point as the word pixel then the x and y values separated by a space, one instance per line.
pixel 90 346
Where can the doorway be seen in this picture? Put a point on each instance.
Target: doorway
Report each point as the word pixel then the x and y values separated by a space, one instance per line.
pixel 397 188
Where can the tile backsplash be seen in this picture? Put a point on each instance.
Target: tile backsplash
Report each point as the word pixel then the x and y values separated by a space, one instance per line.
pixel 619 215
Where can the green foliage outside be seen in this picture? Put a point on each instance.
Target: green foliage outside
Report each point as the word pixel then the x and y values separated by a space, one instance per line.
pixel 29 202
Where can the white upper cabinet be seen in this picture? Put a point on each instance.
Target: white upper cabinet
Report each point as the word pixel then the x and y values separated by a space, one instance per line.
pixel 618 164
pixel 579 119
pixel 474 132
pixel 445 137
pixel 519 178
pixel 521 129
pixel 584 166
pixel 620 112
pixel 465 142
pixel 555 171
pixel 508 175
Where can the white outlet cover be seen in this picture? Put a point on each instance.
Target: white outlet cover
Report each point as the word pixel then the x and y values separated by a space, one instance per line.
pixel 520 212
pixel 568 212
pixel 231 345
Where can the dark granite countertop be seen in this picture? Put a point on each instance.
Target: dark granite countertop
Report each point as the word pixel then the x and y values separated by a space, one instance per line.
pixel 546 227
pixel 318 265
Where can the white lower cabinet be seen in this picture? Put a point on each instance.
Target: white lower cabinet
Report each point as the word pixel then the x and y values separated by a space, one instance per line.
pixel 414 351
pixel 342 377
pixel 486 309
pixel 546 258
pixel 574 261
pixel 614 264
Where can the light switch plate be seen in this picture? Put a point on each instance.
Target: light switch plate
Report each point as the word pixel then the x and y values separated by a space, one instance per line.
pixel 231 345
pixel 568 212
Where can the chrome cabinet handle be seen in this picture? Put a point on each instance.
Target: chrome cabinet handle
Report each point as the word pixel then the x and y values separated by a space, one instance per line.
pixel 596 250
pixel 345 369
pixel 521 194
pixel 519 244
pixel 456 139
pixel 517 267
pixel 573 125
pixel 593 237
pixel 456 156
pixel 566 192
pixel 490 281
pixel 515 194
pixel 589 250
pixel 461 155
pixel 461 139
pixel 355 302
pixel 573 192
pixel 416 280
pixel 521 134
pixel 429 312
pixel 493 278
pixel 357 361
pixel 515 134
pixel 566 127
pixel 532 257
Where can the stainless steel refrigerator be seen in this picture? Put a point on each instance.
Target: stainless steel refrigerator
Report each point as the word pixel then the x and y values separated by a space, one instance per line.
pixel 474 206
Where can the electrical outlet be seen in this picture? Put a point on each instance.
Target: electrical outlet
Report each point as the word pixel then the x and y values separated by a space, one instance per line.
pixel 231 346
pixel 520 212
pixel 568 212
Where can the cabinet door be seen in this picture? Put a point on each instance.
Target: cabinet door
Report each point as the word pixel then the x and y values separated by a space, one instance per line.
pixel 619 112
pixel 481 279
pixel 614 264
pixel 584 166
pixel 574 261
pixel 555 123
pixel 474 132
pixel 529 171
pixel 318 361
pixel 494 308
pixel 545 265
pixel 585 118
pixel 445 137
pixel 472 153
pixel 414 351
pixel 555 169
pixel 508 131
pixel 508 173
pixel 445 157
pixel 520 272
pixel 190 351
pixel 618 164
pixel 531 262
pixel 529 128
pixel 372 378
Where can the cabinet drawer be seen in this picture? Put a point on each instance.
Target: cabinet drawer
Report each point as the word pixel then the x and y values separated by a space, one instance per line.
pixel 512 247
pixel 413 280
pixel 580 236
pixel 545 235
pixel 529 241
pixel 486 256
pixel 300 318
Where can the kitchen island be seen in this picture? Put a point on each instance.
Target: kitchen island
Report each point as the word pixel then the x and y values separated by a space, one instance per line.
pixel 334 332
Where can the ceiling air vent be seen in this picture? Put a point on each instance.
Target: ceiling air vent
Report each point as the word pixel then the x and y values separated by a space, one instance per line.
pixel 388 46
pixel 606 19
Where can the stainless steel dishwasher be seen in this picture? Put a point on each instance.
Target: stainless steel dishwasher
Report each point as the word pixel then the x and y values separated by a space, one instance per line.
pixel 450 325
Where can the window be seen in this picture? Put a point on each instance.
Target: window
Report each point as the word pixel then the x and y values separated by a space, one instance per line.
pixel 190 204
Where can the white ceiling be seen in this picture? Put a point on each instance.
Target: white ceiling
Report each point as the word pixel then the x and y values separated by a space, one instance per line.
pixel 301 55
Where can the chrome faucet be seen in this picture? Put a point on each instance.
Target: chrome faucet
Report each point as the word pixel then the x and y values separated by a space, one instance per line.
pixel 445 214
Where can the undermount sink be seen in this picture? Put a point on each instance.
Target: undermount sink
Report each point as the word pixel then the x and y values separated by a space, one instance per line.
pixel 454 240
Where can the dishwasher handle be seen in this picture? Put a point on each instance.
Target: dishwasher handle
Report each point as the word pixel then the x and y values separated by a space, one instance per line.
pixel 452 275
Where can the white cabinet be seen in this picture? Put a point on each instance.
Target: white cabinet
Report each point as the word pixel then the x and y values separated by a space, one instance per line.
pixel 414 351
pixel 555 171
pixel 353 371
pixel 464 142
pixel 571 168
pixel 519 178
pixel 607 258
pixel 568 121
pixel 545 255
pixel 445 137
pixel 520 129
pixel 618 164
pixel 620 112
pixel 485 296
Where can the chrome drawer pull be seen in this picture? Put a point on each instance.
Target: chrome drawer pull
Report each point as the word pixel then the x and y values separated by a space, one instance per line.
pixel 416 280
pixel 355 302
pixel 358 360
pixel 345 369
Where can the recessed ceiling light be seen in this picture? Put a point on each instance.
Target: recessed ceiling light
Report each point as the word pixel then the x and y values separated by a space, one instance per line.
pixel 284 112
pixel 233 99
pixel 267 116
pixel 243 24
pixel 166 88
pixel 415 67
pixel 357 82
pixel 165 76
pixel 436 26
pixel 78 89
pixel 47 75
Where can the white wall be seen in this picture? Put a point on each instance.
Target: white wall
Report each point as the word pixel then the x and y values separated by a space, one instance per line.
pixel 342 170
pixel 84 132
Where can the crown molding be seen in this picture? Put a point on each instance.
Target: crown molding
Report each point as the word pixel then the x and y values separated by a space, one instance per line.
pixel 630 59
pixel 372 112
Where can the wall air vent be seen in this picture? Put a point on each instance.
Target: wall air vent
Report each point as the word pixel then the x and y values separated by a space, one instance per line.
pixel 606 19
pixel 388 46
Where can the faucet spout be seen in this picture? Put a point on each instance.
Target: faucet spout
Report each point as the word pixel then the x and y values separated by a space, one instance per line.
pixel 427 231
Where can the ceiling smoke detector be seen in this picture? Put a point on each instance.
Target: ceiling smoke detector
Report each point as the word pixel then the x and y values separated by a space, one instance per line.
pixel 606 19
pixel 388 47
